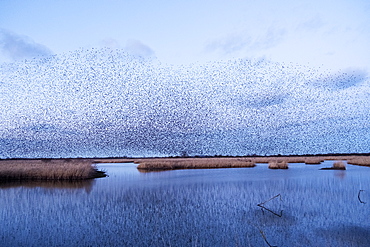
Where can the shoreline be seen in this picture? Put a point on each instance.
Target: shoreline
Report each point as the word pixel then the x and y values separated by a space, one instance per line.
pixel 76 166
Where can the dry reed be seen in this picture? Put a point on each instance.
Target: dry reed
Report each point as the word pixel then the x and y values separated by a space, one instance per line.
pixel 359 160
pixel 113 160
pixel 275 162
pixel 59 169
pixel 278 165
pixel 313 160
pixel 339 165
pixel 193 163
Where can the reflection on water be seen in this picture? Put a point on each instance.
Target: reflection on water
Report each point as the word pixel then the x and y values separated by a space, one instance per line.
pixel 213 207
pixel 60 184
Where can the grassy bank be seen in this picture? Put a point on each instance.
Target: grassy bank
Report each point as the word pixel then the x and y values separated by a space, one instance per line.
pixel 275 162
pixel 48 169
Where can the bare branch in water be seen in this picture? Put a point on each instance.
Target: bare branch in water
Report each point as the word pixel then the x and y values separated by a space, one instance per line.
pixel 358 196
pixel 263 207
pixel 264 237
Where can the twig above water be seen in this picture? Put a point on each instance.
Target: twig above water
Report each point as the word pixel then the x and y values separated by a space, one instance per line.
pixel 271 211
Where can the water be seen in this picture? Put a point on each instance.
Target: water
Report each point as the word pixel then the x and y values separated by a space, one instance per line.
pixel 213 207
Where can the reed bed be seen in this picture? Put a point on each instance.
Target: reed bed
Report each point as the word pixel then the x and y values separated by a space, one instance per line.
pixel 278 165
pixel 288 159
pixel 113 160
pixel 276 162
pixel 313 160
pixel 359 160
pixel 193 163
pixel 339 165
pixel 59 169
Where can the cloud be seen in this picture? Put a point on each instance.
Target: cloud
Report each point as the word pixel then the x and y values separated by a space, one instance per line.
pixel 137 48
pixel 17 47
pixel 244 42
pixel 269 39
pixel 312 24
pixel 110 43
pixel 229 44
pixel 133 47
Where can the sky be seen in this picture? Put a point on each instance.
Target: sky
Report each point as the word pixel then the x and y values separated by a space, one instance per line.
pixel 332 33
pixel 158 78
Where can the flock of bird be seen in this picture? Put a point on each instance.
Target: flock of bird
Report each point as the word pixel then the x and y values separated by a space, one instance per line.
pixel 111 102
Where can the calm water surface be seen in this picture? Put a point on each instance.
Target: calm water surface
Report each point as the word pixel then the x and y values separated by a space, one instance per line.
pixel 213 207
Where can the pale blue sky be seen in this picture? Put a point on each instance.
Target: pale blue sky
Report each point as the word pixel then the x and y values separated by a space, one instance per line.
pixel 333 33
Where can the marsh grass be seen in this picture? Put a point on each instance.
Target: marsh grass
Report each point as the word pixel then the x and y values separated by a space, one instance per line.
pixel 313 160
pixel 275 162
pixel 58 169
pixel 193 163
pixel 337 165
pixel 113 160
pixel 359 160
pixel 278 165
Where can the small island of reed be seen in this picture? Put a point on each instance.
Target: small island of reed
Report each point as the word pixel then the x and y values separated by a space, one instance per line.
pixel 48 169
pixel 338 165
pixel 278 165
pixel 193 163
pixel 274 162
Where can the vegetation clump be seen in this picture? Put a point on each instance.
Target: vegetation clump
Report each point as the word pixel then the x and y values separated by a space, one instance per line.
pixel 313 160
pixel 58 169
pixel 359 160
pixel 193 163
pixel 338 165
pixel 278 165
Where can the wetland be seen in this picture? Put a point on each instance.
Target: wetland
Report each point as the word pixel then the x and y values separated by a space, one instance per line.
pixel 301 206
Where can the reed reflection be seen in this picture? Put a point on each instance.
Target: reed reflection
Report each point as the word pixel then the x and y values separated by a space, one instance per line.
pixel 86 185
